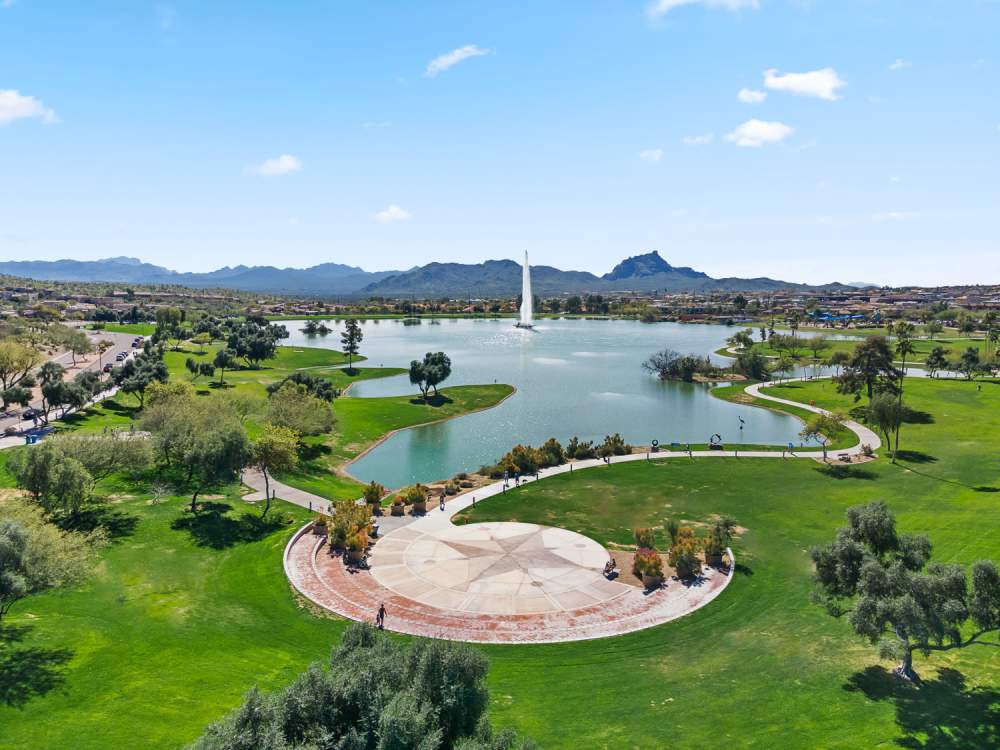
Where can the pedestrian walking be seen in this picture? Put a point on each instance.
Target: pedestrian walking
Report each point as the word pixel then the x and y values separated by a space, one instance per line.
pixel 380 616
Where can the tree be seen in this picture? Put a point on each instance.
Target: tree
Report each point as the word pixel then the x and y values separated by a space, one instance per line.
pixel 350 341
pixel 936 361
pixel 783 366
pixel 216 453
pixel 376 693
pixel 104 454
pixel 318 386
pixel 141 371
pixel 418 377
pixel 821 427
pixel 752 365
pixel 57 482
pixel 292 406
pixel 870 368
pixel 904 348
pixel 78 343
pixel 36 555
pixel 274 450
pixel 969 363
pixel 885 412
pixel 225 359
pixel 256 340
pixel 15 395
pixel 437 369
pixel 16 362
pixel 901 602
pixel 741 340
pixel 838 359
pixel 818 344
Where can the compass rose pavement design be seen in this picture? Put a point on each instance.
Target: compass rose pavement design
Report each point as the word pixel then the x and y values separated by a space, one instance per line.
pixel 495 568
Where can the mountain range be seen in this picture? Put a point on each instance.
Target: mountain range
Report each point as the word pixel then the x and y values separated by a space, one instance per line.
pixel 493 278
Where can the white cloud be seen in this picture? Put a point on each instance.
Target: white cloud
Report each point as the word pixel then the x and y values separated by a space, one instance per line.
pixel 751 96
pixel 819 83
pixel 442 63
pixel 16 106
pixel 651 154
pixel 895 216
pixel 755 133
pixel 391 214
pixel 662 7
pixel 698 140
pixel 900 64
pixel 281 165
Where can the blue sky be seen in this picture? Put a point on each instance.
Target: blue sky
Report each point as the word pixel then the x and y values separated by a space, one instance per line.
pixel 865 145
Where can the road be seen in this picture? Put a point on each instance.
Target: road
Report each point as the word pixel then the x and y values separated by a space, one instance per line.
pixel 122 342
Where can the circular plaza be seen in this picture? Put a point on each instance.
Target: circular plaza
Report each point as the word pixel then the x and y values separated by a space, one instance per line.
pixel 490 583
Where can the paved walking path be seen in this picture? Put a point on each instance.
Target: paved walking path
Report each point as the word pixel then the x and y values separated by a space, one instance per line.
pixel 437 583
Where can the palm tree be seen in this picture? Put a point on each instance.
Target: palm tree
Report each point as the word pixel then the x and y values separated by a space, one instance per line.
pixel 904 348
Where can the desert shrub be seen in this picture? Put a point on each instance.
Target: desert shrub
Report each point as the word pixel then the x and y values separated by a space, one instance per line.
pixel 552 453
pixel 614 445
pixel 580 449
pixel 645 538
pixel 647 562
pixel 374 493
pixel 683 556
pixel 416 494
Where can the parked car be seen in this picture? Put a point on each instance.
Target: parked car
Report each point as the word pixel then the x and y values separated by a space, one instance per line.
pixel 108 367
pixel 30 414
pixel 119 357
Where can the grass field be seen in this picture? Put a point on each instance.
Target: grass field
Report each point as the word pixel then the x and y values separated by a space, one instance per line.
pixel 953 348
pixel 181 618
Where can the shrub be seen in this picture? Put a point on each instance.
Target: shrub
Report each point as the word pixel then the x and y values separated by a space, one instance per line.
pixel 450 488
pixel 578 449
pixel 614 445
pixel 647 562
pixel 673 528
pixel 683 556
pixel 416 494
pixel 357 542
pixel 461 475
pixel 552 453
pixel 645 538
pixel 374 493
pixel 466 484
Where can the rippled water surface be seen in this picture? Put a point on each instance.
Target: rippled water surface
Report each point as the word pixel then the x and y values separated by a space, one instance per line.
pixel 573 377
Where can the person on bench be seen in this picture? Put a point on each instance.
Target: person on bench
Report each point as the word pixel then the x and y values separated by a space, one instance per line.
pixel 609 566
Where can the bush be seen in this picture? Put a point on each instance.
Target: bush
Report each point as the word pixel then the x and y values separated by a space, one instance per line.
pixel 683 556
pixel 552 453
pixel 416 494
pixel 645 538
pixel 673 529
pixel 581 450
pixel 647 562
pixel 614 445
pixel 374 493
pixel 450 488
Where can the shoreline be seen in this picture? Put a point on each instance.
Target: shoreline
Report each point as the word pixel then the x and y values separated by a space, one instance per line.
pixel 343 469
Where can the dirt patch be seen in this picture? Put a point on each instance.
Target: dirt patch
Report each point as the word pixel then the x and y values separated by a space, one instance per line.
pixel 624 559
pixel 11 494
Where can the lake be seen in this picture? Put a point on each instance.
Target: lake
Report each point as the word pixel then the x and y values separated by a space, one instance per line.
pixel 573 377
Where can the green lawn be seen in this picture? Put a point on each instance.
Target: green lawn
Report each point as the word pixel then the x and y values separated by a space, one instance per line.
pixel 761 666
pixel 953 347
pixel 181 620
pixel 139 329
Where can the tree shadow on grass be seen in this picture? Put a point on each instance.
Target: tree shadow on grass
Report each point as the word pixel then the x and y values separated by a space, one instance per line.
pixel 437 400
pixel 916 457
pixel 839 471
pixel 915 416
pixel 939 714
pixel 313 451
pixel 116 522
pixel 213 526
pixel 28 672
pixel 743 570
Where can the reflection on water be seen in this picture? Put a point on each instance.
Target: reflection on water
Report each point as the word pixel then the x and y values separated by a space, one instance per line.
pixel 574 377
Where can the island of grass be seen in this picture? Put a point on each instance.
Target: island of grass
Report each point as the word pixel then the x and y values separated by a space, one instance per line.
pixel 181 619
